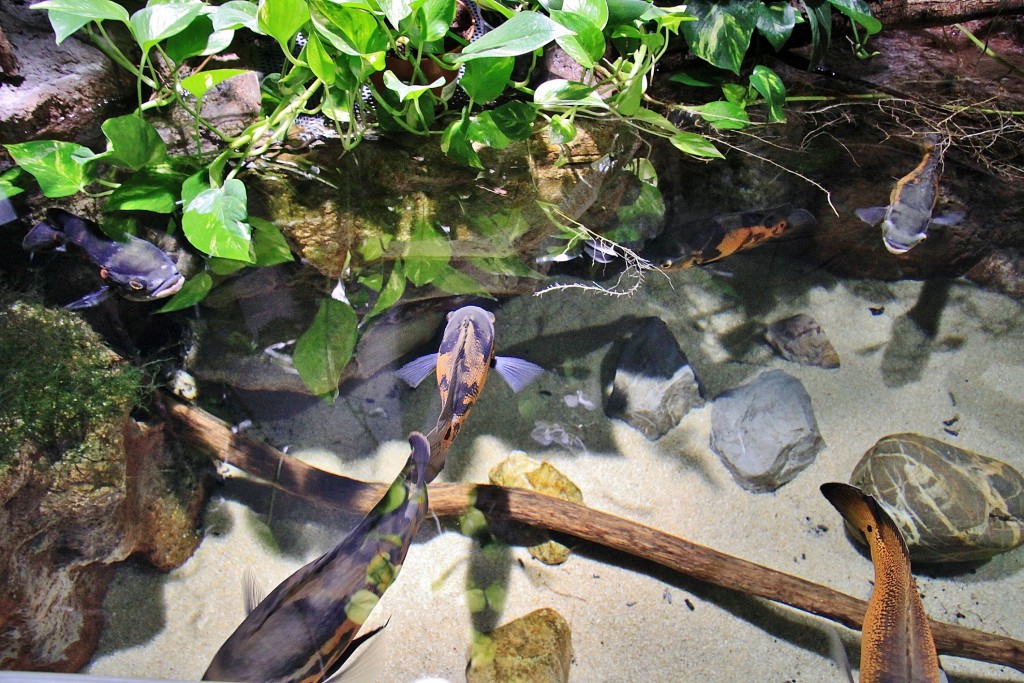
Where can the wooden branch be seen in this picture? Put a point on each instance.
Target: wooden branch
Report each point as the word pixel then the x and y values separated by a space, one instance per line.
pixel 587 524
pixel 922 13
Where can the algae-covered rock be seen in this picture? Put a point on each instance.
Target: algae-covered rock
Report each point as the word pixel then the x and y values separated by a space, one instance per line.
pixel 536 648
pixel 951 504
pixel 82 486
pixel 521 471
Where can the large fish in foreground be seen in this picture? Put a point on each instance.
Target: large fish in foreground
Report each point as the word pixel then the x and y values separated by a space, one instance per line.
pixel 463 361
pixel 896 641
pixel 711 239
pixel 906 219
pixel 304 628
pixel 133 267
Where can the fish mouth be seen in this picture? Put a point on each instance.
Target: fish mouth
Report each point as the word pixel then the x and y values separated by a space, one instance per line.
pixel 168 287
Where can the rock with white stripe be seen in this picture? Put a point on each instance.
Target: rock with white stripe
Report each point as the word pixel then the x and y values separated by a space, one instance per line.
pixel 951 504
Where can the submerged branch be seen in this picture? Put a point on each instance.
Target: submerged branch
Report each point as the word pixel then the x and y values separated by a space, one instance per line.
pixel 539 510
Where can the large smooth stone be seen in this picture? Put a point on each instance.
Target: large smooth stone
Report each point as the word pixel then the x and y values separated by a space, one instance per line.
pixel 654 385
pixel 536 648
pixel 765 431
pixel 951 504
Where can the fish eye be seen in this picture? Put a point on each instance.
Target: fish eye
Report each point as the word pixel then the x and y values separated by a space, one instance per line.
pixel 666 263
pixel 135 284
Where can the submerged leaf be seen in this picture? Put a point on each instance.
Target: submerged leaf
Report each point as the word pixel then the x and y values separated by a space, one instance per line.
pixel 323 351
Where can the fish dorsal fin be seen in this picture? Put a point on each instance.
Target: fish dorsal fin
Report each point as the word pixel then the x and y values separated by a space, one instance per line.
pixel 252 590
pixel 517 372
pixel 414 372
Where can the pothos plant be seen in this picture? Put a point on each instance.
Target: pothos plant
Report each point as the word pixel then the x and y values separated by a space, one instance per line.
pixel 340 60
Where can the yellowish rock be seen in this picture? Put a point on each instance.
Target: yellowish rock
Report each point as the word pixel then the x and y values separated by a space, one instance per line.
pixel 536 648
pixel 520 471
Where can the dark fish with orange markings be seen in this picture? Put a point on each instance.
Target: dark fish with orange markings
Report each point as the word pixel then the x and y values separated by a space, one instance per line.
pixel 304 628
pixel 712 239
pixel 905 221
pixel 896 640
pixel 463 361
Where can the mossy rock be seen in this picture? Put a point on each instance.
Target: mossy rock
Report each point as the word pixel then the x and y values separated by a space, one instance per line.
pixel 61 390
pixel 952 505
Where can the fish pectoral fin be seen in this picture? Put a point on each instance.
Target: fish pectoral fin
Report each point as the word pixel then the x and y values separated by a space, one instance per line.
pixel 950 218
pixel 90 300
pixel 364 660
pixel 252 590
pixel 871 215
pixel 517 372
pixel 414 372
pixel 838 652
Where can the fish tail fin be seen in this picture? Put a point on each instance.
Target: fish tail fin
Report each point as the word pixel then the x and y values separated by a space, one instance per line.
pixel 517 372
pixel 801 218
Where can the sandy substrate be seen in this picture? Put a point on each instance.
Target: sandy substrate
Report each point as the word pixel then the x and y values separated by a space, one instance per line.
pixel 631 621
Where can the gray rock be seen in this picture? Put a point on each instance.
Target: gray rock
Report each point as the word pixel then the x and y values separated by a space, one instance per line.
pixel 765 431
pixel 800 339
pixel 654 385
pixel 952 505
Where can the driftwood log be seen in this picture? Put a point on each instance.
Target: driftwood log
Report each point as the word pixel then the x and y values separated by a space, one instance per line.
pixel 922 13
pixel 538 510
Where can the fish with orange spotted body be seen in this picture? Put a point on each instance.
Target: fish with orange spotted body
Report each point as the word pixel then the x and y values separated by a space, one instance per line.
pixel 712 239
pixel 896 640
pixel 463 362
pixel 905 221
pixel 305 627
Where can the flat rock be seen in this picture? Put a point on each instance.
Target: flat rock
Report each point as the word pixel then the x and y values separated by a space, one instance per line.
pixel 520 471
pixel 654 385
pixel 951 504
pixel 536 648
pixel 765 431
pixel 801 339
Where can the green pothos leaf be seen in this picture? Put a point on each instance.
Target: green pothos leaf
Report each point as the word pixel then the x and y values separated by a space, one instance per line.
pixel 323 351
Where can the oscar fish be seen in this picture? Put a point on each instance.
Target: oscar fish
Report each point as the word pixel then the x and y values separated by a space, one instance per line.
pixel 304 628
pixel 896 640
pixel 711 239
pixel 905 221
pixel 463 362
pixel 133 267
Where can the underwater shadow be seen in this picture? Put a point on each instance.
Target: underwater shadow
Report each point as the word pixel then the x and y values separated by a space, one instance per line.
pixel 913 336
pixel 134 608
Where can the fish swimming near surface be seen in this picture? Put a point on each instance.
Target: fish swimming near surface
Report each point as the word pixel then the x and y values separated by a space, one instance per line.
pixel 905 221
pixel 133 267
pixel 304 628
pixel 463 361
pixel 711 239
pixel 896 640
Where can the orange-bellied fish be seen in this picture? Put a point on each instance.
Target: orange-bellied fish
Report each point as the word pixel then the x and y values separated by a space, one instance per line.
pixel 463 361
pixel 133 267
pixel 711 239
pixel 906 220
pixel 305 626
pixel 896 641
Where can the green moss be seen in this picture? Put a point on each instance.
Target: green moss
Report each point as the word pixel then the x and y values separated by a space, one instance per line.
pixel 61 389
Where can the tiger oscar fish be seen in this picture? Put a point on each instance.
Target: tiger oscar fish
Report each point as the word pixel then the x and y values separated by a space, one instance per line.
pixel 463 361
pixel 711 239
pixel 896 640
pixel 304 628
pixel 905 221
pixel 133 267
